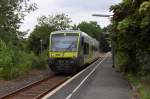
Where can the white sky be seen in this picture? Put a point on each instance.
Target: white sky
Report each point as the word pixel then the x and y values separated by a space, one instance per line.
pixel 77 10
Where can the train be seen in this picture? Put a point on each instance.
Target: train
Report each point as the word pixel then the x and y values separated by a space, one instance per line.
pixel 70 50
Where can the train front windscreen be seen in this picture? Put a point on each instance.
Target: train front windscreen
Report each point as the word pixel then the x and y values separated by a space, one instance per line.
pixel 64 42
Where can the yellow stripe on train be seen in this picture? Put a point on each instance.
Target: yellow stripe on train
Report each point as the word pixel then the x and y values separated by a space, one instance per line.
pixel 63 54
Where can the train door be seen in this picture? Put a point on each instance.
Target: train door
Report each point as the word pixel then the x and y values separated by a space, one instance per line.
pixel 90 52
pixel 86 50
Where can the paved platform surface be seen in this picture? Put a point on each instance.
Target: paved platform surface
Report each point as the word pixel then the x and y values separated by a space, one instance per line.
pixel 104 83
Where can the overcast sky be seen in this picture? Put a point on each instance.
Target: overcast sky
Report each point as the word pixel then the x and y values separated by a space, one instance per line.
pixel 77 10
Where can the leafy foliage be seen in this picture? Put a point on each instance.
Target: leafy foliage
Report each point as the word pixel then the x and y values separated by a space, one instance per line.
pixel 11 14
pixel 39 33
pixel 15 60
pixel 5 55
pixel 13 63
pixel 59 21
pixel 131 37
pixel 39 62
pixel 16 63
pixel 131 34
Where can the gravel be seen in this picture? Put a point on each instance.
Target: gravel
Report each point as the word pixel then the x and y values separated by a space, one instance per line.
pixel 9 86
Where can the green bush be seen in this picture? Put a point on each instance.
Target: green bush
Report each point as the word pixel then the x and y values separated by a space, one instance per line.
pixel 145 93
pixel 6 62
pixel 5 55
pixel 142 88
pixel 39 62
pixel 24 62
pixel 122 61
pixel 14 63
pixel 144 61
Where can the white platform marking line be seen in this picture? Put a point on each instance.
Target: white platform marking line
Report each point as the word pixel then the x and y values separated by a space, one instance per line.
pixel 65 83
pixel 69 96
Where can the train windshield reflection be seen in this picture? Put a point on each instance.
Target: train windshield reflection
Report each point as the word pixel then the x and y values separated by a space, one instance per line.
pixel 63 42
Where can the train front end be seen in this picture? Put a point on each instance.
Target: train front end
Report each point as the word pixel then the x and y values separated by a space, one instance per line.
pixel 63 52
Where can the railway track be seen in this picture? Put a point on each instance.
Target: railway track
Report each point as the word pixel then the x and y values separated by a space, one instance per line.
pixel 37 89
pixel 40 88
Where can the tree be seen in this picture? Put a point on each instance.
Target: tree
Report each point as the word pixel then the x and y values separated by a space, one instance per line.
pixel 14 60
pixel 39 33
pixel 130 33
pixel 59 21
pixel 11 14
pixel 91 28
pixel 42 31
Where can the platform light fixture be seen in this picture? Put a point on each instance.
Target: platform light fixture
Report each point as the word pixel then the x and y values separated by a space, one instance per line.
pixel 102 15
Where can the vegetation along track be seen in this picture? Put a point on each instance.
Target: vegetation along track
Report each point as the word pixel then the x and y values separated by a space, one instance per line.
pixel 37 89
pixel 40 88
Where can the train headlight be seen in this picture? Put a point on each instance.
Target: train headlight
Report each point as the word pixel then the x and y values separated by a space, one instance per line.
pixel 52 55
pixel 75 54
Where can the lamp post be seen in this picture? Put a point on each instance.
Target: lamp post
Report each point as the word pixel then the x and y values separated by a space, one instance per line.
pixel 41 43
pixel 112 45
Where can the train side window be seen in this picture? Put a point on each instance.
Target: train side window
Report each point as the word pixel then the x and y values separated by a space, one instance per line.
pixel 86 48
pixel 94 48
pixel 82 41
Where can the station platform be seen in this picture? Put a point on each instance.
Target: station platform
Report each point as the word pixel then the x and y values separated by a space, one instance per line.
pixel 103 83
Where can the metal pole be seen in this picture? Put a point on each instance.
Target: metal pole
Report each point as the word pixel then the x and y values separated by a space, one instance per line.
pixel 113 55
pixel 41 41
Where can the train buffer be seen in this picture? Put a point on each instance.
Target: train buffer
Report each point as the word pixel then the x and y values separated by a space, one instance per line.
pixel 101 82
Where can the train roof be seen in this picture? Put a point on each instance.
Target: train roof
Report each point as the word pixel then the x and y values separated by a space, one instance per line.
pixel 74 31
pixel 71 31
pixel 66 31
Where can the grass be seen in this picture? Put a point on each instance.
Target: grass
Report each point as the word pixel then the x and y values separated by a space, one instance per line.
pixel 142 86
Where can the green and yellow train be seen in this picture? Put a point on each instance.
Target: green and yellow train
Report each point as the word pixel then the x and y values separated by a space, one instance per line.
pixel 70 50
